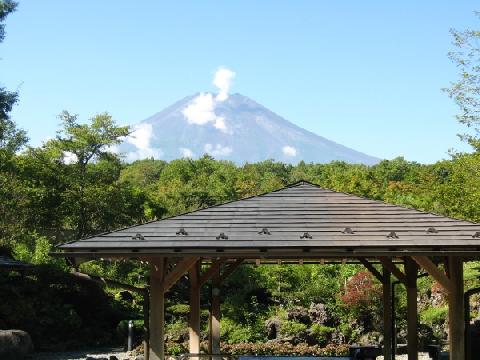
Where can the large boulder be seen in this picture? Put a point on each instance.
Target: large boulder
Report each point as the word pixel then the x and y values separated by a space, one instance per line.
pixel 318 314
pixel 15 344
pixel 299 314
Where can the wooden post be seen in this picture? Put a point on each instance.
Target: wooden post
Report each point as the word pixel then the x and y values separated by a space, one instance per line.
pixel 215 315
pixel 157 310
pixel 456 330
pixel 387 315
pixel 194 324
pixel 411 270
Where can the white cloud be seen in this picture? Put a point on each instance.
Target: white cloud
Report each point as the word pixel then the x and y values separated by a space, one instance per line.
pixel 220 124
pixel 223 80
pixel 289 151
pixel 201 110
pixel 69 157
pixel 186 152
pixel 217 150
pixel 141 138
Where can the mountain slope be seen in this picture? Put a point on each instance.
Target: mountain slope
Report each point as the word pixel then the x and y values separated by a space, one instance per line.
pixel 236 128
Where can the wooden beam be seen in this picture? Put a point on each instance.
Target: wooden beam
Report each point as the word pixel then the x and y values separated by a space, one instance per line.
pixel 411 271
pixel 387 315
pixel 434 272
pixel 388 264
pixel 372 269
pixel 178 271
pixel 194 321
pixel 230 270
pixel 214 268
pixel 157 310
pixel 456 325
pixel 215 316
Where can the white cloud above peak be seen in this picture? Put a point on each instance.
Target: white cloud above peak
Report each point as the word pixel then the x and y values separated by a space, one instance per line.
pixel 201 110
pixel 223 80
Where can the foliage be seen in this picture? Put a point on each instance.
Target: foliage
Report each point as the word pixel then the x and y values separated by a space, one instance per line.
pixel 465 91
pixel 360 290
pixel 276 348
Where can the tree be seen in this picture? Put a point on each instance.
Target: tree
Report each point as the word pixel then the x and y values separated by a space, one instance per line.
pixel 11 138
pixel 466 90
pixel 91 165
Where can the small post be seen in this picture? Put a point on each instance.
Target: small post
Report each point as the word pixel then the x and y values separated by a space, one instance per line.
pixel 130 336
pixel 215 316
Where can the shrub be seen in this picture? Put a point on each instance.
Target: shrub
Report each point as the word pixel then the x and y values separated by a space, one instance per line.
pixel 292 328
pixel 322 333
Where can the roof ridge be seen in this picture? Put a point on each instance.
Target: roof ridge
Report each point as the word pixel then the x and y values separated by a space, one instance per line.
pixel 300 182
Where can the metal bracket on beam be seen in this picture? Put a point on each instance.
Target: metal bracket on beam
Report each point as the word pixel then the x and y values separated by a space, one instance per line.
pixel 434 271
pixel 388 264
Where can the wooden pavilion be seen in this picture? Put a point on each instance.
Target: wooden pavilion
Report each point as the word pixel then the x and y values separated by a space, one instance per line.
pixel 299 223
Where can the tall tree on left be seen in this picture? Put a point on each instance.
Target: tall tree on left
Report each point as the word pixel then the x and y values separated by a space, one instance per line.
pixel 11 138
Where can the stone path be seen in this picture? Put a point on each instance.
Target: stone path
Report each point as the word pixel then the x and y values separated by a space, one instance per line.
pixel 82 355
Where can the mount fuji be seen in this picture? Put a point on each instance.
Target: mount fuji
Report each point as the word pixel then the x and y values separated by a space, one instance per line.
pixel 230 127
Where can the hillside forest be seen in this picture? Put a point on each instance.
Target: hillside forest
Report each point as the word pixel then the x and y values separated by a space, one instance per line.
pixel 74 185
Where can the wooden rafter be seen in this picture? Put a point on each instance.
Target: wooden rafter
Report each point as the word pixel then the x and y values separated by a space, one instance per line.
pixel 389 265
pixel 214 268
pixel 178 271
pixel 230 269
pixel 372 270
pixel 434 271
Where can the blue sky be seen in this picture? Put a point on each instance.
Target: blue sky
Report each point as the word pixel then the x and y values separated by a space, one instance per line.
pixel 367 74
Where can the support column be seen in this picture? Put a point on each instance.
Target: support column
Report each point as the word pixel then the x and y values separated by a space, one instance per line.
pixel 456 329
pixel 157 310
pixel 194 321
pixel 387 315
pixel 215 315
pixel 411 270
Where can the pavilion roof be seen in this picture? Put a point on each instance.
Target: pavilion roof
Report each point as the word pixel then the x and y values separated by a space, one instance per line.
pixel 300 220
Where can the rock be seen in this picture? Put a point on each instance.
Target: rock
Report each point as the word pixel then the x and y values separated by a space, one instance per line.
pixel 299 314
pixel 318 314
pixel 112 357
pixel 273 328
pixel 139 357
pixel 15 344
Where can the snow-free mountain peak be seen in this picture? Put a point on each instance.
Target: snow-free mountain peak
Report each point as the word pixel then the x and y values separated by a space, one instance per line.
pixel 234 128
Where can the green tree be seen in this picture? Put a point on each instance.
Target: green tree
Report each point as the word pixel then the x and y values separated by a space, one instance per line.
pixel 91 166
pixel 11 138
pixel 465 91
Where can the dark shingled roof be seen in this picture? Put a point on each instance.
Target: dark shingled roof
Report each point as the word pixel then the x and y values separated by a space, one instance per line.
pixel 299 220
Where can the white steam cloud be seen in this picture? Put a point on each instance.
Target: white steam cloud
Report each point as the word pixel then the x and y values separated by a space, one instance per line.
pixel 201 110
pixel 223 80
pixel 289 151
pixel 141 138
